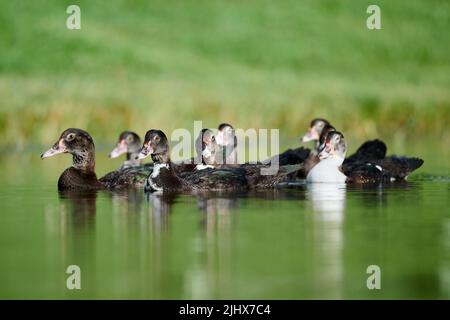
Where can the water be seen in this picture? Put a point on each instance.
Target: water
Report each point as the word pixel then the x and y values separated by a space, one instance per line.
pixel 307 242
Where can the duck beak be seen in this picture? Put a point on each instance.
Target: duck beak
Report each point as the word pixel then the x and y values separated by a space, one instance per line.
pixel 145 152
pixel 121 148
pixel 57 148
pixel 310 135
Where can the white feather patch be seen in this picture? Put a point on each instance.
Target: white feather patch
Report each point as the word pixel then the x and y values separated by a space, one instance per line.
pixel 203 166
pixel 156 170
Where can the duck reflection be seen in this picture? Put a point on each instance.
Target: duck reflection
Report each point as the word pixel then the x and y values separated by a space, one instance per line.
pixel 328 205
pixel 127 201
pixel 161 204
pixel 81 208
pixel 155 246
pixel 76 229
pixel 378 195
pixel 210 276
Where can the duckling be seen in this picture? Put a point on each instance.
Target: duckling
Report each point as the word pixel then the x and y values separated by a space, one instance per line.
pixel 206 147
pixel 332 169
pixel 318 131
pixel 330 161
pixel 227 142
pixel 165 179
pixel 129 143
pixel 369 150
pixel 308 158
pixel 315 130
pixel 81 175
pixel 322 127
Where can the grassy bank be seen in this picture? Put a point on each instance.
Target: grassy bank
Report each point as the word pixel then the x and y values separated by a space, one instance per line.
pixel 262 64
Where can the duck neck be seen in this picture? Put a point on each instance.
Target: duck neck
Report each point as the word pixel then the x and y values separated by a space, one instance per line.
pixel 163 177
pixel 132 158
pixel 161 158
pixel 84 160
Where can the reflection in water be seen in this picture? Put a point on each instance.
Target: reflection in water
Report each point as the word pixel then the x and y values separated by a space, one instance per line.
pixel 444 268
pixel 328 203
pixel 156 246
pixel 81 206
pixel 76 230
pixel 210 276
pixel 161 209
pixel 375 195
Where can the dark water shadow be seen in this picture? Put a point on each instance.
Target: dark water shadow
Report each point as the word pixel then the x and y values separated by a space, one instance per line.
pixel 81 206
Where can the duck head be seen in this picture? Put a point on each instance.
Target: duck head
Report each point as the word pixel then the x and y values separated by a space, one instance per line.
pixel 226 135
pixel 156 145
pixel 206 145
pixel 79 144
pixel 334 146
pixel 315 130
pixel 129 143
pixel 321 142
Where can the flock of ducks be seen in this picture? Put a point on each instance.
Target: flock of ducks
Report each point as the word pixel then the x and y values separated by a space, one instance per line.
pixel 216 167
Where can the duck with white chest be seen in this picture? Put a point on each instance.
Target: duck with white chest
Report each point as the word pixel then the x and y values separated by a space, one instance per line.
pixel 330 169
pixel 331 158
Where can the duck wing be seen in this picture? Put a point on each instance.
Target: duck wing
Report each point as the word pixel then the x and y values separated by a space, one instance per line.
pixel 183 167
pixel 257 180
pixel 290 156
pixel 216 179
pixel 398 167
pixel 389 169
pixel 127 177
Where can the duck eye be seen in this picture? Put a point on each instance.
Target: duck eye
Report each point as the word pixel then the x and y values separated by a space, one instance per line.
pixel 70 136
pixel 157 138
pixel 129 138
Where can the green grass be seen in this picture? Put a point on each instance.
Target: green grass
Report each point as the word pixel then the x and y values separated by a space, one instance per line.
pixel 265 64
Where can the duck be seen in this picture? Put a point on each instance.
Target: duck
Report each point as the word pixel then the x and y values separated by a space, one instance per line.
pixel 130 144
pixel 315 130
pixel 217 177
pixel 305 156
pixel 319 128
pixel 332 169
pixel 227 144
pixel 81 175
pixel 165 178
pixel 206 149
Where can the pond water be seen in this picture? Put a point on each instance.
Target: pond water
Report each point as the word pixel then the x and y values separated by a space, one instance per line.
pixel 307 242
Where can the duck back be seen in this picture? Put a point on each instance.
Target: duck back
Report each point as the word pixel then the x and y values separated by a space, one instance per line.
pixel 389 169
pixel 127 177
pixel 217 179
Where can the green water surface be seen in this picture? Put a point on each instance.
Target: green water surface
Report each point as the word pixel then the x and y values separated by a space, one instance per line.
pixel 312 241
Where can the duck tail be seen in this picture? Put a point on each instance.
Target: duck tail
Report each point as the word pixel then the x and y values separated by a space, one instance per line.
pixel 413 163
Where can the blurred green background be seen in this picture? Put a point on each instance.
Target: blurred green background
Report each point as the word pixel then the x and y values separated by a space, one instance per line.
pixel 263 64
